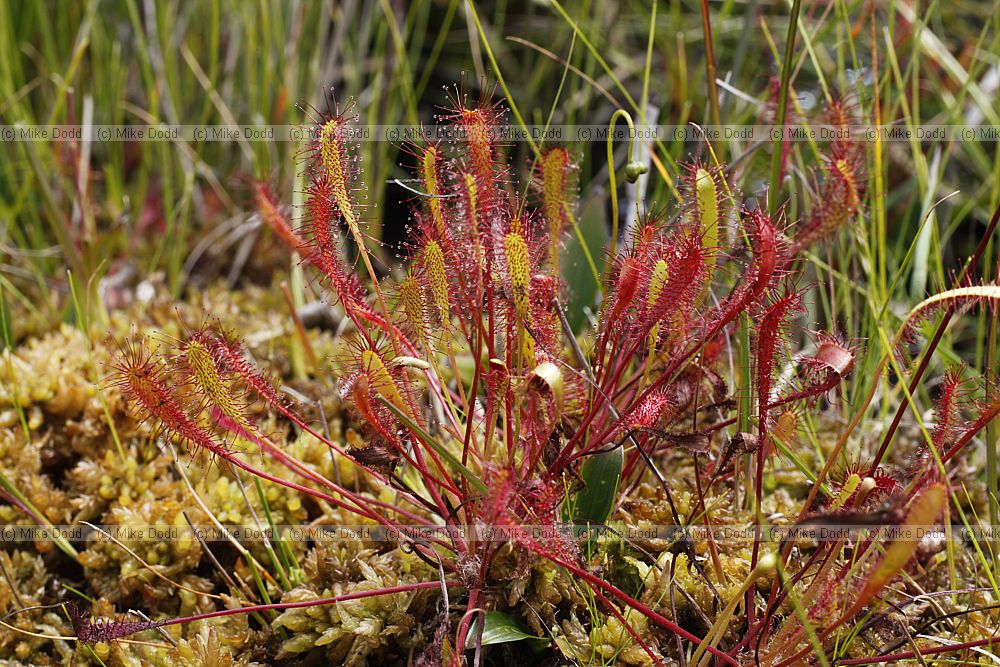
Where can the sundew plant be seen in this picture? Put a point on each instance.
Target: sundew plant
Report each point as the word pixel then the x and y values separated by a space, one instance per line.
pixel 545 428
pixel 646 400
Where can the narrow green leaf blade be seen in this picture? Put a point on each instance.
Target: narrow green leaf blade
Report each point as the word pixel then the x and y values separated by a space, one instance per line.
pixel 436 446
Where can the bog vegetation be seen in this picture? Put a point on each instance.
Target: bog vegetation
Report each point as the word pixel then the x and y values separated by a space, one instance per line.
pixel 640 450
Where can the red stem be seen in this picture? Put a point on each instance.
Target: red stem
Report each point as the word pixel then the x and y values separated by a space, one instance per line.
pixel 909 655
pixel 659 619
pixel 278 606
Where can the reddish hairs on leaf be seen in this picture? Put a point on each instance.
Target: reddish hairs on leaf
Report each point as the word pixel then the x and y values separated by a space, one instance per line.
pixel 988 411
pixel 953 300
pixel 274 217
pixel 142 379
pixel 364 399
pixel 947 409
pixel 228 351
pixel 831 356
pixel 630 272
pixel 840 115
pixel 477 123
pixel 762 272
pixel 882 486
pixel 766 250
pixel 824 370
pixel 331 157
pixel 686 267
pixel 553 176
pixel 838 201
pixel 91 630
pixel 625 286
pixel 321 220
pixel 770 330
pixel 647 413
pixel 430 169
pixel 842 191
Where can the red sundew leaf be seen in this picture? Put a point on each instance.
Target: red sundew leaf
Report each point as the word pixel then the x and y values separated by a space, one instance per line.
pixel 143 381
pixel 545 320
pixel 686 268
pixel 93 630
pixel 759 276
pixel 274 217
pixel 707 206
pixel 884 485
pixel 946 409
pixel 769 336
pixel 497 382
pixel 831 356
pixel 323 216
pixel 626 285
pixel 332 155
pixel 823 371
pixel 496 506
pixel 988 411
pixel 229 353
pixel 478 121
pixel 953 300
pixel 647 413
pixel 842 191
pixel 361 396
pixel 839 200
pixel 321 220
pixel 765 247
pixel 841 113
pixel 557 192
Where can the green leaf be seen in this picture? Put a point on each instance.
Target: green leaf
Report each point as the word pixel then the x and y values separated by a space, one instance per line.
pixel 6 323
pixel 601 474
pixel 436 446
pixel 37 516
pixel 501 628
pixel 577 272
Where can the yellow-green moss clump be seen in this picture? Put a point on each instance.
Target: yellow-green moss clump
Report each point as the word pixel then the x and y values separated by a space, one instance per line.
pixel 355 631
pixel 25 582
